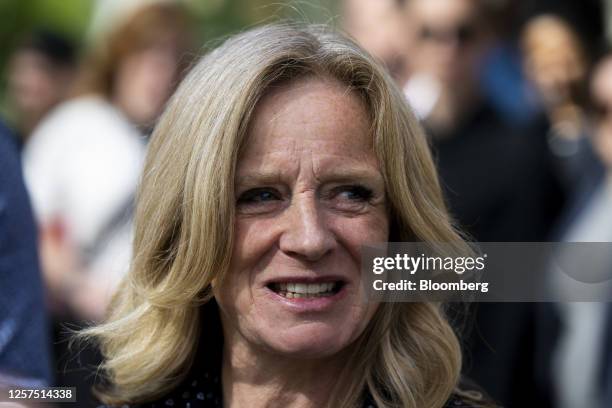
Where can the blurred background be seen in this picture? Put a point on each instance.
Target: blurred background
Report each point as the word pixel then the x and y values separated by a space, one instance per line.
pixel 515 96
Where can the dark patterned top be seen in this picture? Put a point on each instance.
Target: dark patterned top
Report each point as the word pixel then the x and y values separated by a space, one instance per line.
pixel 202 388
pixel 206 393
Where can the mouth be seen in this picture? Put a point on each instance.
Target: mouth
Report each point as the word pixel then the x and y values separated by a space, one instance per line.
pixel 299 290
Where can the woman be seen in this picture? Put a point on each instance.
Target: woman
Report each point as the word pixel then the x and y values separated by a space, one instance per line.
pixel 83 162
pixel 282 152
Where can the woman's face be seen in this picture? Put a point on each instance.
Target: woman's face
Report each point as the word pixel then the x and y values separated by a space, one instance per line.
pixel 309 194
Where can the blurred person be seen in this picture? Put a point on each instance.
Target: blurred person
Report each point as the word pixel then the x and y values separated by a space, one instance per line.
pixel 39 75
pixel 496 177
pixel 581 351
pixel 83 163
pixel 448 41
pixel 502 79
pixel 378 27
pixel 24 334
pixel 601 105
pixel 465 52
pixel 556 63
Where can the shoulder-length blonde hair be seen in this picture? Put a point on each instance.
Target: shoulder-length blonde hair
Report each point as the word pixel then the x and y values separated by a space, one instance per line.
pixel 408 356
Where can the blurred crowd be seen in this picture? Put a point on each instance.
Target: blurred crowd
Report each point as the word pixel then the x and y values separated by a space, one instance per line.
pixel 515 96
pixel 82 114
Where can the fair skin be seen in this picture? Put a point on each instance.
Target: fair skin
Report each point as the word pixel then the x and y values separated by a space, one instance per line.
pixel 309 194
pixel 556 65
pixel 144 82
pixel 554 60
pixel 377 26
pixel 36 84
pixel 448 36
pixel 448 41
pixel 601 93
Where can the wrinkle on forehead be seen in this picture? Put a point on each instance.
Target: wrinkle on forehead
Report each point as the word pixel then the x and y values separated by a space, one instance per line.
pixel 307 166
pixel 309 131
pixel 298 105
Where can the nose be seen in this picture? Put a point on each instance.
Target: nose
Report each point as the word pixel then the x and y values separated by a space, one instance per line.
pixel 306 235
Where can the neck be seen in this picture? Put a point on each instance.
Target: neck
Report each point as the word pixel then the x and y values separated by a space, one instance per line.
pixel 257 378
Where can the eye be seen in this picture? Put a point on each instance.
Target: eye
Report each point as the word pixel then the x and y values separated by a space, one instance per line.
pixel 350 198
pixel 259 201
pixel 354 193
pixel 258 195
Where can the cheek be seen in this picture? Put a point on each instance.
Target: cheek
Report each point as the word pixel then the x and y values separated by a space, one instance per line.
pixel 355 232
pixel 253 240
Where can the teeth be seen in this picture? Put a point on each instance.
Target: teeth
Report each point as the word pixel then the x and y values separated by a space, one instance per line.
pixel 305 290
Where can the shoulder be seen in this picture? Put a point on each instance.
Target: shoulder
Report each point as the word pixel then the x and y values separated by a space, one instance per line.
pixel 198 391
pixel 87 125
pixel 475 400
pixel 470 395
pixel 88 106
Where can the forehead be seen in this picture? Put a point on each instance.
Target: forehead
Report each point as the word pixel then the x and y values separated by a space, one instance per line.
pixel 549 35
pixel 314 113
pixel 442 11
pixel 366 15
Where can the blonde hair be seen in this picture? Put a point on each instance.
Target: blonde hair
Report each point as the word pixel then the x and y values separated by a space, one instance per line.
pixel 409 354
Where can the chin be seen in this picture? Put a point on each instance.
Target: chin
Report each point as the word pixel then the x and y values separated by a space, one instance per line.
pixel 309 340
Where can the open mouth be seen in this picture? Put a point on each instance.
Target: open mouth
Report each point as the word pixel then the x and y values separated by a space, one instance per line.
pixel 292 290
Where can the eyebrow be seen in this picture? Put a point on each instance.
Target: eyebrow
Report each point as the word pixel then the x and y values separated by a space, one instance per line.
pixel 255 177
pixel 336 175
